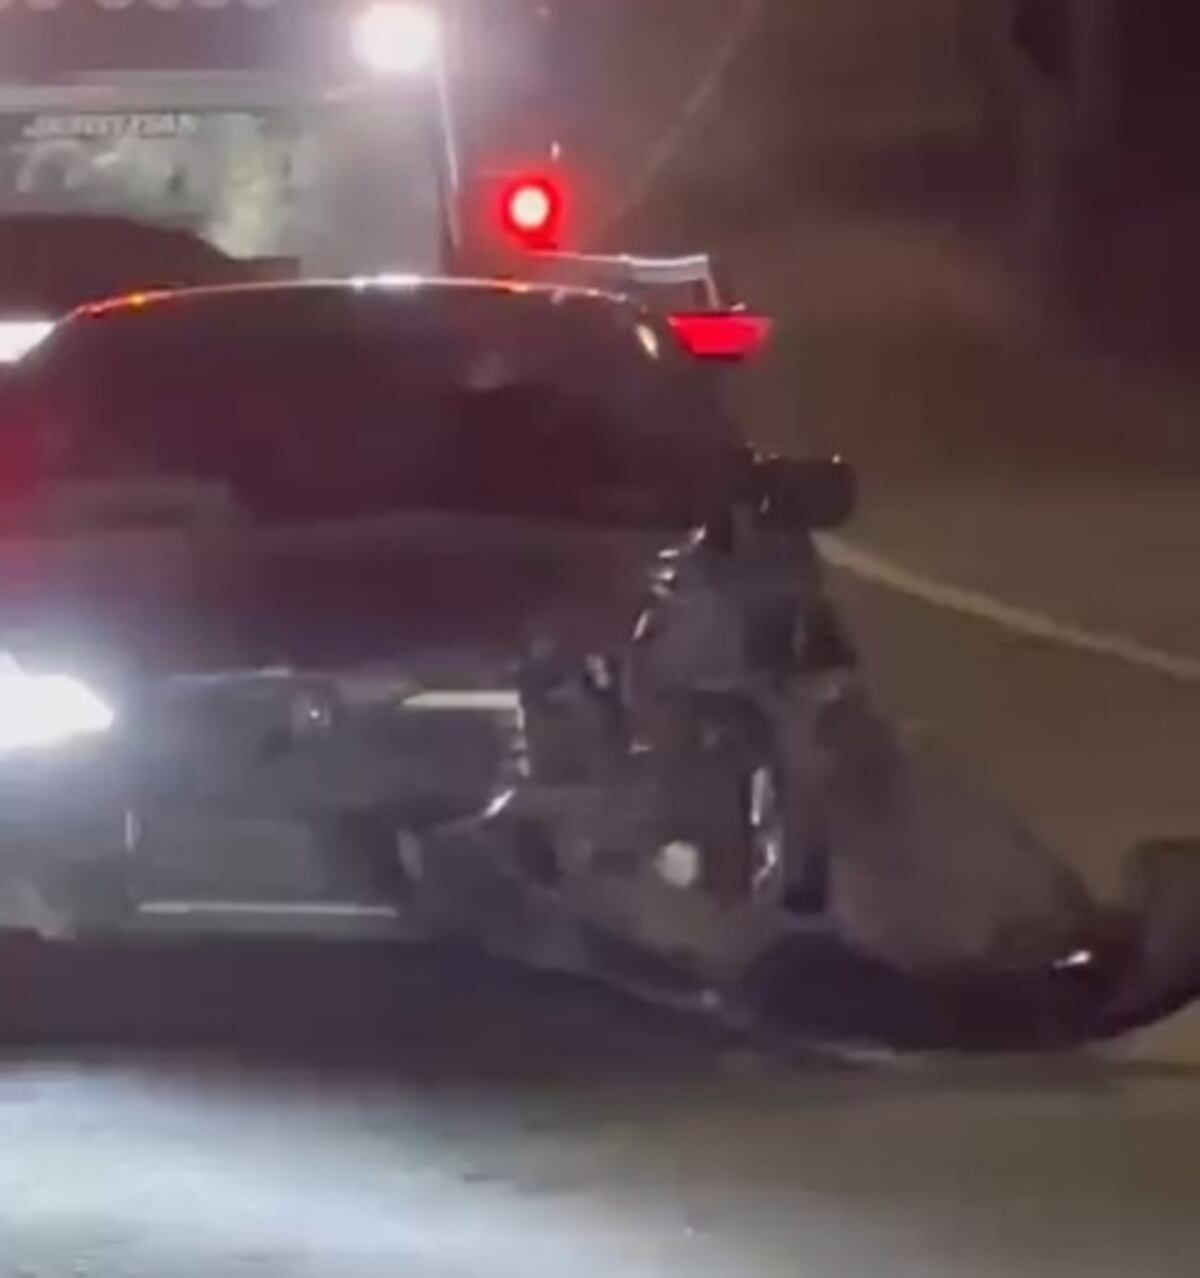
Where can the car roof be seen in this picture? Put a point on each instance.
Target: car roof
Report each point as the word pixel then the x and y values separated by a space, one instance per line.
pixel 583 339
pixel 548 322
pixel 554 318
pixel 414 288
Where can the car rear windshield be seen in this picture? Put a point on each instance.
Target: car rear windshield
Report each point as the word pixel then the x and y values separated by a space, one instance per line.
pixel 312 403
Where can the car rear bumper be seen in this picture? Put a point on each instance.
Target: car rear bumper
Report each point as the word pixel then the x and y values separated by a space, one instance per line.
pixel 325 859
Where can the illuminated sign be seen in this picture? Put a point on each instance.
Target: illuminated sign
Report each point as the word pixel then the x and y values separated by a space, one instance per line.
pixel 150 124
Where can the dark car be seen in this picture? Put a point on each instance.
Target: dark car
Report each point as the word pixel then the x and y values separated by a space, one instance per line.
pixel 462 612
pixel 355 606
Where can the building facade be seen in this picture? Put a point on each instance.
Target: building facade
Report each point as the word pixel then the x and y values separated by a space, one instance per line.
pixel 246 121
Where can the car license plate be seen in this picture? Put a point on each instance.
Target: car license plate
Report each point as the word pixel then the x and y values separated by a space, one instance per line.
pixel 255 857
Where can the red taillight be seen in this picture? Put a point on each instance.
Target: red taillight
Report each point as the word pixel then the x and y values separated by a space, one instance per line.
pixel 732 335
pixel 531 210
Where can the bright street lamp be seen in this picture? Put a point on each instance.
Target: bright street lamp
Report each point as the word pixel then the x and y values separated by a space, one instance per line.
pixel 396 38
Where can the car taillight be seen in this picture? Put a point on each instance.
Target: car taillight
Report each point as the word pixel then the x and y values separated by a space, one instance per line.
pixel 531 211
pixel 730 335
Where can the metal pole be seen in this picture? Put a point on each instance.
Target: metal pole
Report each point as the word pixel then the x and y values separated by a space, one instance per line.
pixel 447 117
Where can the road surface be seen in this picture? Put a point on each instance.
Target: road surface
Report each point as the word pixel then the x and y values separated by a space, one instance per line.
pixel 465 1123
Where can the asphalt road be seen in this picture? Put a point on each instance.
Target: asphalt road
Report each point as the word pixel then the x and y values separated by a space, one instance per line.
pixel 462 1122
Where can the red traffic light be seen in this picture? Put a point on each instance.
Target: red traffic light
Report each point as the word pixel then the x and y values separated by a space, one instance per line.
pixel 531 210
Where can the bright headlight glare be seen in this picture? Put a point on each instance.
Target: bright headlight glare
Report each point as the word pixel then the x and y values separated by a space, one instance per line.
pixel 396 38
pixel 42 710
pixel 19 336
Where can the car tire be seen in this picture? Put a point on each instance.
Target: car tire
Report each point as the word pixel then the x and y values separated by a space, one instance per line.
pixel 726 795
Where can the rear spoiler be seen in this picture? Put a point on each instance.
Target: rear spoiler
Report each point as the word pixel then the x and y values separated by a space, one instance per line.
pixel 669 284
pixel 687 290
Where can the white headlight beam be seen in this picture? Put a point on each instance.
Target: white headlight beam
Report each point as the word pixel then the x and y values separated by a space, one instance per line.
pixel 19 336
pixel 39 711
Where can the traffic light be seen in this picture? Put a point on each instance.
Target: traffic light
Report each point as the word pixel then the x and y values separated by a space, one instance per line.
pixel 531 211
pixel 510 212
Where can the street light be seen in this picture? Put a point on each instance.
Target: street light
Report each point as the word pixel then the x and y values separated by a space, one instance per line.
pixel 397 39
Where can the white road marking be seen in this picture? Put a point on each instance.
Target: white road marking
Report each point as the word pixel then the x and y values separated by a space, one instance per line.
pixel 1029 624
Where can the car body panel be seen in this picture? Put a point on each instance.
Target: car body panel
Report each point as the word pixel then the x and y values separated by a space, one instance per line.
pixel 296 687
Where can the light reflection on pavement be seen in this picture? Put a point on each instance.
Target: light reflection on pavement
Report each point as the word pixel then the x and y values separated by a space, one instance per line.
pixel 451 1126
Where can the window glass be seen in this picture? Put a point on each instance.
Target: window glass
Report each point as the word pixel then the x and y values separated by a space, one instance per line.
pixel 310 405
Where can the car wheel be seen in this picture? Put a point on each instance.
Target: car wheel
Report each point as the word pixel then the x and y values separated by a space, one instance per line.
pixel 729 823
